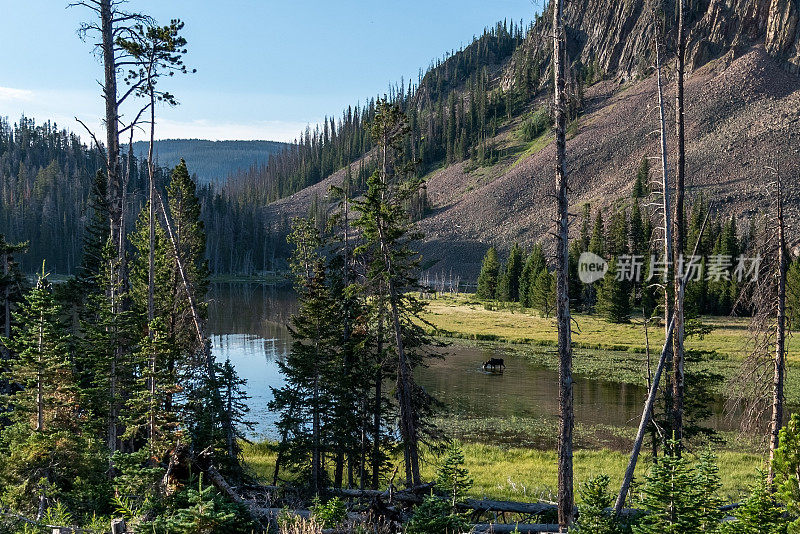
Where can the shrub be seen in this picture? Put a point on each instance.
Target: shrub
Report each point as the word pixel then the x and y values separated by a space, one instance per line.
pixel 434 516
pixel 330 513
pixel 537 124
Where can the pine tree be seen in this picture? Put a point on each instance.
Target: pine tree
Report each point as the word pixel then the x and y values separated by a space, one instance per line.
pixel 305 401
pixel 104 375
pixel 593 512
pixel 46 452
pixel 543 293
pixel 534 264
pixel 453 478
pixel 190 237
pixel 617 239
pixel 586 221
pixel 488 277
pixel 758 514
pixel 613 297
pixel 392 272
pixel 508 288
pixel 641 186
pixel 680 497
pixel 706 489
pixel 597 242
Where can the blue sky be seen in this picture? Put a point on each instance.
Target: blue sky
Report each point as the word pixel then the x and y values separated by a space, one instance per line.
pixel 265 68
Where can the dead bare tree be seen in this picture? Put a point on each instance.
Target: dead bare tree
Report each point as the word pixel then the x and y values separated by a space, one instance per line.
pixel 760 382
pixel 678 377
pixel 114 26
pixel 566 499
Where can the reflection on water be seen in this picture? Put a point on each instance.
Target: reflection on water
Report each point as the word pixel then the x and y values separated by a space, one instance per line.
pixel 248 323
pixel 248 326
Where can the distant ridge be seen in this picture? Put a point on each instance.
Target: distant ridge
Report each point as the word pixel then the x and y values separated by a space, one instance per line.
pixel 211 161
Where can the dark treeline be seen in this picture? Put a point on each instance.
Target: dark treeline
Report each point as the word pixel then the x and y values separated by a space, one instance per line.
pixel 46 178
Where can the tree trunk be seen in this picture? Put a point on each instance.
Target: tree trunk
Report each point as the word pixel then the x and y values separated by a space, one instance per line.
pixel 678 337
pixel 665 207
pixel 647 413
pixel 566 500
pixel 780 340
pixel 112 116
pixel 151 254
pixel 114 187
pixel 408 423
pixel 376 444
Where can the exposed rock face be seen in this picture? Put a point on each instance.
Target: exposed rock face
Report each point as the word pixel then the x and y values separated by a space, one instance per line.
pixel 783 32
pixel 618 34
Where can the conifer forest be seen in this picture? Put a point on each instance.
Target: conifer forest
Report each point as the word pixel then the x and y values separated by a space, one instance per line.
pixel 547 284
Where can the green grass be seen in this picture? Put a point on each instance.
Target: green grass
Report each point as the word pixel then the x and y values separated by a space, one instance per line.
pixel 525 474
pixel 531 148
pixel 466 318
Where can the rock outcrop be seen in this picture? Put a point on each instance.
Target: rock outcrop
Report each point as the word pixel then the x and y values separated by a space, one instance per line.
pixel 618 35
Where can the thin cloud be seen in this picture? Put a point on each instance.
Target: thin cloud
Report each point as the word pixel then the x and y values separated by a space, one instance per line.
pixel 10 94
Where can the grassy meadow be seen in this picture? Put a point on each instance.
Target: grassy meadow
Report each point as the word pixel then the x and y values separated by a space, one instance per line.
pixel 528 475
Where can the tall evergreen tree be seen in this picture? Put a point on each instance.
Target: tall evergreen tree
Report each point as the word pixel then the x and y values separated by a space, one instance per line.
pixel 388 239
pixel 488 277
pixel 641 185
pixel 508 289
pixel 305 402
pixel 534 264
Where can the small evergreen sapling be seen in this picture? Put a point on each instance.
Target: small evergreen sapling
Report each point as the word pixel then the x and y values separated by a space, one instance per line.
pixel 758 514
pixel 594 515
pixel 453 477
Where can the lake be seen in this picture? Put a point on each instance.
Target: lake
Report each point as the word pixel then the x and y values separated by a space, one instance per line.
pixel 248 326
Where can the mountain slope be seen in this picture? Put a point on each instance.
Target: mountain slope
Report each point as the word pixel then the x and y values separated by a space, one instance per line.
pixel 212 161
pixel 742 104
pixel 739 110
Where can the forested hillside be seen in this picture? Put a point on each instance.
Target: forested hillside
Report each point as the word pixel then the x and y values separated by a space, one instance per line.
pixel 212 161
pixel 47 176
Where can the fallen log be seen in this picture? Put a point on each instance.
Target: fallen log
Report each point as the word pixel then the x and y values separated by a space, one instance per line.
pixel 512 507
pixel 411 495
pixel 494 528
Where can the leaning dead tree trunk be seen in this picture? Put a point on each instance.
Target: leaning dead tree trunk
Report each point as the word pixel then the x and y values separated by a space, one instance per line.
pixel 780 338
pixel 680 171
pixel 566 500
pixel 205 345
pixel 647 412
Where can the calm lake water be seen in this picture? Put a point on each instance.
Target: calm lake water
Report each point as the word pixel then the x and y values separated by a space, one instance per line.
pixel 248 323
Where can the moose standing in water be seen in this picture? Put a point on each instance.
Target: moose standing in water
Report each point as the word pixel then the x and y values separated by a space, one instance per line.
pixel 494 364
